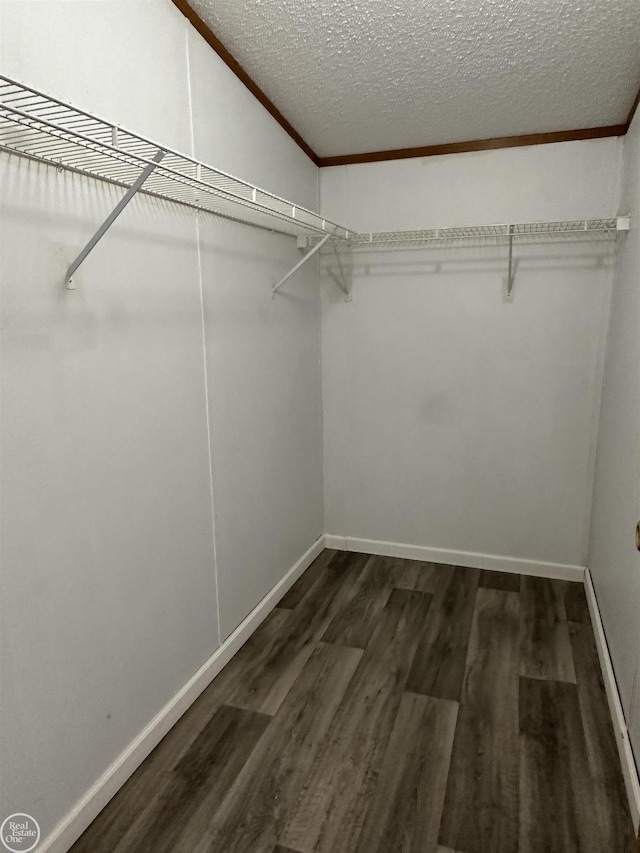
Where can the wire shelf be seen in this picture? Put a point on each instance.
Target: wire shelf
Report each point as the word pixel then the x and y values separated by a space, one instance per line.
pixel 36 125
pixel 478 235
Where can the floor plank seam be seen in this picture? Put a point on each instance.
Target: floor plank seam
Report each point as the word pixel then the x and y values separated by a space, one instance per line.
pixel 391 704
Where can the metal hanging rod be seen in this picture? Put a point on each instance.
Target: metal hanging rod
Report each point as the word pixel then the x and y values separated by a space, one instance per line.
pixel 38 126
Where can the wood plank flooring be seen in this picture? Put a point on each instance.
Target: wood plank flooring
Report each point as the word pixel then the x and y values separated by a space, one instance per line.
pixel 391 706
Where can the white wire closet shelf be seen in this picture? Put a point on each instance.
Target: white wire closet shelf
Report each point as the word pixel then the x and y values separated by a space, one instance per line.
pixel 43 128
pixel 470 235
pixel 478 235
pixel 36 125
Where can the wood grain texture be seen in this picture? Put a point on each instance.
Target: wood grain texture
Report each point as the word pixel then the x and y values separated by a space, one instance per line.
pixel 147 783
pixel 268 679
pixel 332 805
pixel 439 662
pixel 507 581
pixel 306 580
pixel 610 802
pixel 334 753
pixel 404 813
pixel 420 576
pixel 257 804
pixel 355 624
pixel 556 791
pixel 258 652
pixel 544 635
pixel 481 811
pixel 575 604
pixel 203 775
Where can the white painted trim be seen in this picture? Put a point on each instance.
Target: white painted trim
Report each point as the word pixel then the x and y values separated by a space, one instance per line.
pixel 493 562
pixel 629 770
pixel 71 827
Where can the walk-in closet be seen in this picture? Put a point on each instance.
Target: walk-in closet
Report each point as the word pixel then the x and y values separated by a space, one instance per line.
pixel 319 426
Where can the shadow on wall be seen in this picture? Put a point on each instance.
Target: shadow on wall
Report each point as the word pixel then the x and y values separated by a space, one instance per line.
pixel 481 262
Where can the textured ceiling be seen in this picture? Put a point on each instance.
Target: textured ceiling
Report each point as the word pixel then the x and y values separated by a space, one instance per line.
pixel 365 75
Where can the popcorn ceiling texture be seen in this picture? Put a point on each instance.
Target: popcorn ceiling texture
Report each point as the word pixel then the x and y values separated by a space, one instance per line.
pixel 363 75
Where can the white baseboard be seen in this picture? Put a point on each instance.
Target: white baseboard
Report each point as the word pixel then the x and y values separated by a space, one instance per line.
pixel 629 770
pixel 537 568
pixel 96 798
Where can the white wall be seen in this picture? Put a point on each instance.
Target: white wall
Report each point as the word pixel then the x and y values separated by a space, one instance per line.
pixel 263 353
pixel 613 558
pixel 452 419
pixel 110 594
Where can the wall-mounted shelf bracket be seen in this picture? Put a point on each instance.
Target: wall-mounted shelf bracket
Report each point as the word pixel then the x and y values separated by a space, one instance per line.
pixel 303 261
pixel 510 272
pixel 124 201
pixel 342 281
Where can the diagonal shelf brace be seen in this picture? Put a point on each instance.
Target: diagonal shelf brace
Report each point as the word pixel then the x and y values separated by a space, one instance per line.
pixel 343 281
pixel 510 273
pixel 303 260
pixel 124 201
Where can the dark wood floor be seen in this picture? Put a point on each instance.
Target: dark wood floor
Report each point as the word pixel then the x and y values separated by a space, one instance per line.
pixel 389 705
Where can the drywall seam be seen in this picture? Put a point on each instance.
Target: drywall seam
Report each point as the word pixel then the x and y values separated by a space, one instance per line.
pixel 321 365
pixel 204 355
pixel 607 302
pixel 629 769
pixel 209 435
pixel 322 406
pixel 190 94
pixel 341 482
pixel 470 559
pixel 596 415
pixel 96 798
pixel 348 478
pixel 349 331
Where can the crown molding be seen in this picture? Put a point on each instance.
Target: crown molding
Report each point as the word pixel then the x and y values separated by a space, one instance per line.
pixel 477 145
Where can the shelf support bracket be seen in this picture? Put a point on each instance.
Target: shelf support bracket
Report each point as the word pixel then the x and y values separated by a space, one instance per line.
pixel 342 283
pixel 510 273
pixel 124 201
pixel 302 261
